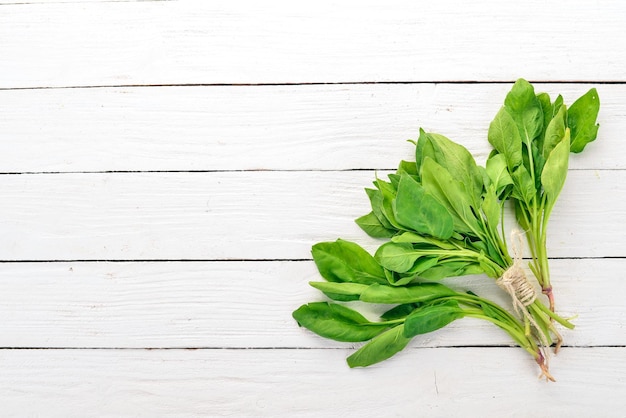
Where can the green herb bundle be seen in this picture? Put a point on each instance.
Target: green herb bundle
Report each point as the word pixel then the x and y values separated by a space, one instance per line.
pixel 533 137
pixel 441 217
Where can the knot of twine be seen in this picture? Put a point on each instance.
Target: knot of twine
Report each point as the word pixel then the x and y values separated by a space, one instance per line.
pixel 516 284
pixel 514 280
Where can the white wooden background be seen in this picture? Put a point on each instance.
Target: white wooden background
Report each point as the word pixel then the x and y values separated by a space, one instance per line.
pixel 166 166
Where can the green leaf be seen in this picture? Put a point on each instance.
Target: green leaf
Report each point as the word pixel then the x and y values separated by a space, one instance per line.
pixel 398 257
pixel 504 136
pixel 417 210
pixel 555 171
pixel 452 268
pixel 376 201
pixel 388 193
pixel 409 168
pixel 491 206
pixel 352 290
pixel 449 192
pixel 400 311
pixel 430 318
pixel 398 279
pixel 336 322
pixel 554 132
pixel 422 292
pixel 423 149
pixel 372 226
pixel 344 261
pixel 457 161
pixel 526 110
pixel 581 119
pixel 546 109
pixel 380 348
pixel 524 189
pixel 498 172
pixel 423 241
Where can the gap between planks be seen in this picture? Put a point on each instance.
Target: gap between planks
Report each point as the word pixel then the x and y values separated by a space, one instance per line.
pixel 313 83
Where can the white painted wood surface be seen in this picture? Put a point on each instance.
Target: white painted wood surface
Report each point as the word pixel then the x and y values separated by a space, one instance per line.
pixel 157 219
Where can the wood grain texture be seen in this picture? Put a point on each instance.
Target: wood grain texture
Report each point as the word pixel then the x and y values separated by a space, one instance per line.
pixel 266 127
pixel 249 305
pixel 246 215
pixel 121 43
pixel 309 383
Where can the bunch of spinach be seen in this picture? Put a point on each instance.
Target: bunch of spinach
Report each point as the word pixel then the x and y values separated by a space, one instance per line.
pixel 532 138
pixel 441 217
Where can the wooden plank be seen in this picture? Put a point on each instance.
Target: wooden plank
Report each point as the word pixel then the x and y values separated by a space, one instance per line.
pixel 265 127
pixel 121 43
pixel 309 383
pixel 249 305
pixel 245 215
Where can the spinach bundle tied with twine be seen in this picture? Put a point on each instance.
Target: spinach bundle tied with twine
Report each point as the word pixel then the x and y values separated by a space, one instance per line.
pixel 441 217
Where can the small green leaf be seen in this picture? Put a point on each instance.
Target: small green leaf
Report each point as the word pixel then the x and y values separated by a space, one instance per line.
pixel 555 171
pixel 491 206
pixel 398 257
pixel 504 136
pixel 336 322
pixel 430 318
pixel 388 193
pixel 524 186
pixel 451 268
pixel 344 289
pixel 409 168
pixel 376 201
pixel 417 210
pixel 372 226
pixel 554 132
pixel 423 241
pixel 422 292
pixel 400 311
pixel 344 261
pixel 581 119
pixel 498 172
pixel 380 348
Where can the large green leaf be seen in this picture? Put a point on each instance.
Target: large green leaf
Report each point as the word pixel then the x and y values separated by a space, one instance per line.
pixel 337 322
pixel 380 348
pixel 417 210
pixel 430 318
pixel 581 119
pixel 526 110
pixel 398 257
pixel 504 136
pixel 457 161
pixel 437 182
pixel 344 261
pixel 422 292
